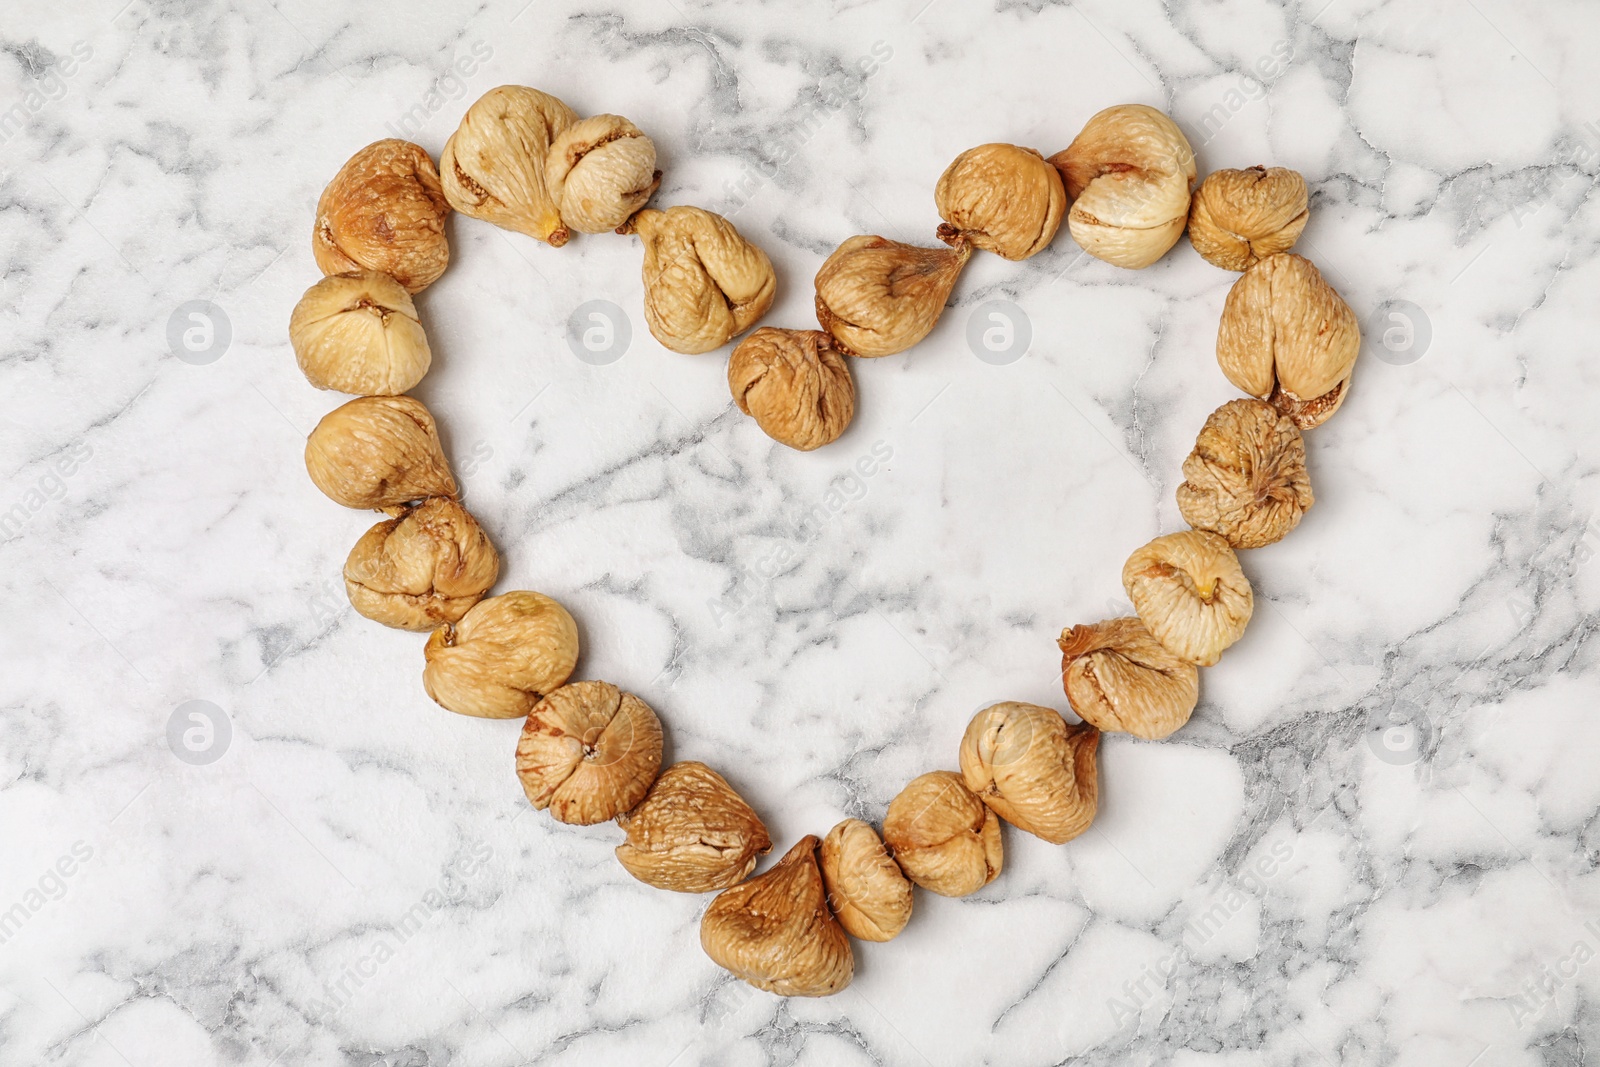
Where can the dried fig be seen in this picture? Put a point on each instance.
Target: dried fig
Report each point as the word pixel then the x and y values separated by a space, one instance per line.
pixel 493 167
pixel 1034 770
pixel 704 284
pixel 1001 198
pixel 1240 217
pixel 775 931
pixel 588 752
pixel 359 333
pixel 942 835
pixel 692 833
pixel 1120 678
pixel 384 211
pixel 795 384
pixel 424 568
pixel 378 452
pixel 505 654
pixel 599 171
pixel 878 297
pixel 1190 594
pixel 1246 478
pixel 868 892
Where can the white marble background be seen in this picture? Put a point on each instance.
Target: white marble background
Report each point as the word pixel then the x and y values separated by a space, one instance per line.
pixel 1299 877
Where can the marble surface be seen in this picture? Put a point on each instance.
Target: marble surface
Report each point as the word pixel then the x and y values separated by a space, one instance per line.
pixel 1375 843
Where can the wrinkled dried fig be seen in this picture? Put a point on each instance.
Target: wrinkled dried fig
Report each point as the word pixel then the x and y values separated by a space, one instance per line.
pixel 868 892
pixel 505 654
pixel 878 297
pixel 942 835
pixel 1001 198
pixel 1120 678
pixel 1129 173
pixel 493 167
pixel 378 452
pixel 1036 772
pixel 358 333
pixel 1190 594
pixel 422 569
pixel 1289 339
pixel 704 284
pixel 588 752
pixel 795 384
pixel 1240 217
pixel 1246 478
pixel 692 833
pixel 775 931
pixel 384 211
pixel 600 170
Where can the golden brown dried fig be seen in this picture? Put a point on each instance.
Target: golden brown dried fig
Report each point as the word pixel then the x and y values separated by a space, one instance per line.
pixel 422 569
pixel 493 167
pixel 866 888
pixel 795 384
pixel 1239 217
pixel 1036 772
pixel 775 931
pixel 384 211
pixel 1119 677
pixel 1190 594
pixel 692 833
pixel 878 297
pixel 378 452
pixel 588 752
pixel 942 835
pixel 1003 199
pixel 600 170
pixel 1129 173
pixel 358 333
pixel 1289 339
pixel 704 284
pixel 505 654
pixel 1246 478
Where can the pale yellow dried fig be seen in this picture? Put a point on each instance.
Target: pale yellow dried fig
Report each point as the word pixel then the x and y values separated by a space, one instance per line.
pixel 867 890
pixel 493 167
pixel 505 654
pixel 1240 217
pixel 1246 478
pixel 1120 678
pixel 692 833
pixel 1001 198
pixel 359 333
pixel 384 211
pixel 1289 339
pixel 600 170
pixel 776 932
pixel 422 569
pixel 795 384
pixel 589 752
pixel 704 284
pixel 878 297
pixel 942 835
pixel 378 452
pixel 1129 174
pixel 1037 772
pixel 1190 594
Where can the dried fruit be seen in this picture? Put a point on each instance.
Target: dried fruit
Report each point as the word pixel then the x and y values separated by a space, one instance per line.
pixel 422 569
pixel 775 931
pixel 588 752
pixel 1036 772
pixel 795 384
pixel 359 333
pixel 1119 677
pixel 1001 198
pixel 868 892
pixel 692 833
pixel 599 171
pixel 1289 339
pixel 1190 594
pixel 942 835
pixel 378 452
pixel 493 167
pixel 1239 217
pixel 878 297
pixel 384 211
pixel 1246 478
pixel 1129 173
pixel 505 654
pixel 704 284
